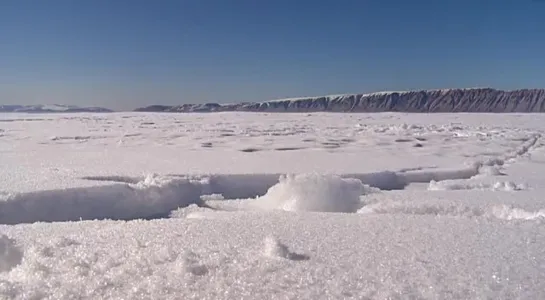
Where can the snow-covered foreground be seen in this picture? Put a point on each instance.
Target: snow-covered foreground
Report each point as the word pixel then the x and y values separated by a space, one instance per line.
pixel 264 206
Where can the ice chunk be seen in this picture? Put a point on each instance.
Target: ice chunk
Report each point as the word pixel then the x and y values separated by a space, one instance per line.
pixel 314 192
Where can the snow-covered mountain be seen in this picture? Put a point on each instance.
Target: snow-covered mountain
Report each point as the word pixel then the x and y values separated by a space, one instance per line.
pixel 446 100
pixel 53 108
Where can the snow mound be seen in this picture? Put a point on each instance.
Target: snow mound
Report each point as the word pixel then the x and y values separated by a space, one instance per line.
pixel 508 186
pixel 449 185
pixel 10 254
pixel 506 212
pixel 275 249
pixel 314 192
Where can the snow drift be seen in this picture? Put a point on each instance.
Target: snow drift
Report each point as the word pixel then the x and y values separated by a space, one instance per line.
pixel 157 196
pixel 154 197
pixel 449 185
pixel 506 212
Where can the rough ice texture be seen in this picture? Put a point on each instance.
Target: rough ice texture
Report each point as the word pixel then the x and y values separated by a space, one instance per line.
pixel 478 235
pixel 446 100
pixel 314 256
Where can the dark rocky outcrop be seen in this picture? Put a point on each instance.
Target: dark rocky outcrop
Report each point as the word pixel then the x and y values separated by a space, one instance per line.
pixel 449 100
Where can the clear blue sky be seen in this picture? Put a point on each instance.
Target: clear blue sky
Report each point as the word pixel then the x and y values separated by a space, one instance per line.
pixel 128 53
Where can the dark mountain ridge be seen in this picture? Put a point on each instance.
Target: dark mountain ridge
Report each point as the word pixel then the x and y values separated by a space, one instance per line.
pixel 423 101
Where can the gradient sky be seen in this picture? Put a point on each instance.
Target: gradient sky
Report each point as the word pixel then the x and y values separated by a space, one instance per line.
pixel 124 54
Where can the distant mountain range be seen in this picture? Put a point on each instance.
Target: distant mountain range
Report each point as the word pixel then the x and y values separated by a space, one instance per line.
pixel 423 101
pixel 55 108
pixel 446 100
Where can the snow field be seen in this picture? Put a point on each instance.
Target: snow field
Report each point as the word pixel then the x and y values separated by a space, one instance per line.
pixel 122 197
pixel 47 152
pixel 261 206
pixel 245 255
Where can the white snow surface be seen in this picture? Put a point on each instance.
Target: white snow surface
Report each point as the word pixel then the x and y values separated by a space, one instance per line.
pixel 272 206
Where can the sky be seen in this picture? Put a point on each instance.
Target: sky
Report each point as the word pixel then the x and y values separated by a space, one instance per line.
pixel 124 54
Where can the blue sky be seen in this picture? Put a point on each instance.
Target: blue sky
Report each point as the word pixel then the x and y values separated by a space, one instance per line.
pixel 124 54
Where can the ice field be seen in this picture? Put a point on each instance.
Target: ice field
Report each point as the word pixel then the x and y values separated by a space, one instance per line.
pixel 272 206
